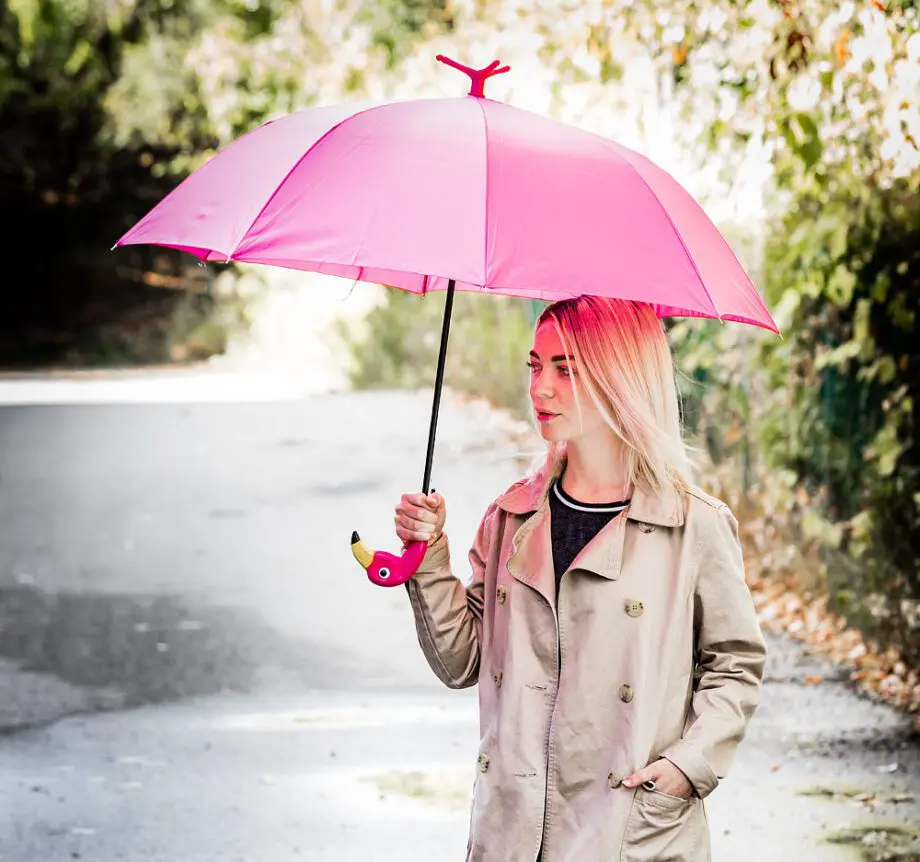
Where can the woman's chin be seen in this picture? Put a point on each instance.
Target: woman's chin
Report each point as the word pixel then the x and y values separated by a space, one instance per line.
pixel 550 434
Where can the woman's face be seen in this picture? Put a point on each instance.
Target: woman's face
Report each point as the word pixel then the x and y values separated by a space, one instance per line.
pixel 553 377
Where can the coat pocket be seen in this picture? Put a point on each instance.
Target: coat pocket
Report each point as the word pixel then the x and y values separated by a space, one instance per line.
pixel 664 828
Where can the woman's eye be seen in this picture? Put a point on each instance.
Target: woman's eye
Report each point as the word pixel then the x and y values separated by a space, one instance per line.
pixel 564 371
pixel 532 366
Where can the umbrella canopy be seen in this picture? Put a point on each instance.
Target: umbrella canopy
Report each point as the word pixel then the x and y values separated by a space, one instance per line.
pixel 415 194
pixel 455 194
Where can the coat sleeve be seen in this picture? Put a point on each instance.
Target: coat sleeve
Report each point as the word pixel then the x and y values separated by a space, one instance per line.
pixel 448 614
pixel 731 656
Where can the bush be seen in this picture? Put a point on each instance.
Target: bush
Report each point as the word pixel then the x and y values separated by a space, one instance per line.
pixel 490 337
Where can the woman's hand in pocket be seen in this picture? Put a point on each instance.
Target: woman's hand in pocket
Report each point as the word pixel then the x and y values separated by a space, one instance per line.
pixel 667 777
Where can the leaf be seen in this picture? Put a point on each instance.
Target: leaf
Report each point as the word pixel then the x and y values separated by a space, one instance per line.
pixel 815 526
pixel 887 449
pixel 81 54
pixel 838 356
pixel 810 152
pixel 839 237
pixel 861 323
pixel 27 11
pixel 807 125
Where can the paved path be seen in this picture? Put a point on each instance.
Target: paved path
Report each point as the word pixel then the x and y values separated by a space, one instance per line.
pixel 193 668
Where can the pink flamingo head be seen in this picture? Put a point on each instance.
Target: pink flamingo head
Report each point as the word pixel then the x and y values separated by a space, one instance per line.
pixel 385 569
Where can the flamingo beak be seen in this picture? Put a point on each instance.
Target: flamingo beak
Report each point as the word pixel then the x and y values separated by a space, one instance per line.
pixel 363 554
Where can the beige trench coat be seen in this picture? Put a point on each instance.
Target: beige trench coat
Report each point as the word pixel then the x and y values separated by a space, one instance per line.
pixel 651 649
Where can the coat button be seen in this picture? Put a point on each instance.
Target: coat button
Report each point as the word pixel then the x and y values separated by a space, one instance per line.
pixel 634 608
pixel 626 693
pixel 647 528
pixel 501 594
pixel 497 676
pixel 483 763
pixel 615 779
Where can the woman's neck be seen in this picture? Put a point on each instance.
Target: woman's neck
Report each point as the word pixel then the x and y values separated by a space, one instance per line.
pixel 595 474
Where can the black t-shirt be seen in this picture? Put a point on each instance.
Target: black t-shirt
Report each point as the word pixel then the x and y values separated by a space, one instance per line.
pixel 574 524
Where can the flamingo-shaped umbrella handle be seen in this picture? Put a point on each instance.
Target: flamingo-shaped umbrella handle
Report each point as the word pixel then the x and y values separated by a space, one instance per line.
pixel 391 570
pixel 385 569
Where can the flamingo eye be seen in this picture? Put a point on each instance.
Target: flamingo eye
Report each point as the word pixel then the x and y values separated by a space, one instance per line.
pixel 384 573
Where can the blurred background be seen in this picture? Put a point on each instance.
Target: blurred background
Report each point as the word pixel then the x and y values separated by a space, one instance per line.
pixel 180 443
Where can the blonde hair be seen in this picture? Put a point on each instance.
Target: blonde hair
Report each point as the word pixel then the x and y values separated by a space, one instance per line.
pixel 625 366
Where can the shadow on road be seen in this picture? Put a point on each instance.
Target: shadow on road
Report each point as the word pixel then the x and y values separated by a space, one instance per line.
pixel 151 648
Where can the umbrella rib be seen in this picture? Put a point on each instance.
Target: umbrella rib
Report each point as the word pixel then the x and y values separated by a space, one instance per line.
pixel 680 239
pixel 485 249
pixel 294 167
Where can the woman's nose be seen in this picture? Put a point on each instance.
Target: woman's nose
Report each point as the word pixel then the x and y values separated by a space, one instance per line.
pixel 540 385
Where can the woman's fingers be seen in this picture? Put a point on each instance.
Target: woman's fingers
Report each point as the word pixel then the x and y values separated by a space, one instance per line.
pixel 420 508
pixel 432 502
pixel 414 524
pixel 411 535
pixel 647 774
pixel 666 777
pixel 417 506
pixel 420 500
pixel 419 517
pixel 422 515
pixel 415 520
pixel 411 529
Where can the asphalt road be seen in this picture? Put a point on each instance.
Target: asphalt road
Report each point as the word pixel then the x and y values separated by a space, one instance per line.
pixel 192 667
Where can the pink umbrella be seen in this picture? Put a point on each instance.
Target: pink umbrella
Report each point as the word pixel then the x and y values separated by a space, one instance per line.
pixel 461 194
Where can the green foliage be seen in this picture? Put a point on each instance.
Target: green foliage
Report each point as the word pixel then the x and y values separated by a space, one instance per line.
pixel 105 106
pixel 845 267
pixel 396 24
pixel 72 189
pixel 837 400
pixel 490 337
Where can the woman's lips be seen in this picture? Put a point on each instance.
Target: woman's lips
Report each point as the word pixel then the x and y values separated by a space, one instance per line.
pixel 543 416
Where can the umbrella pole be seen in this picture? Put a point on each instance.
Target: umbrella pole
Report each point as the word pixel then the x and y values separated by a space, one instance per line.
pixel 438 381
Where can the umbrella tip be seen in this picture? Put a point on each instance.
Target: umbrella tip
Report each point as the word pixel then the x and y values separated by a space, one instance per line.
pixel 478 77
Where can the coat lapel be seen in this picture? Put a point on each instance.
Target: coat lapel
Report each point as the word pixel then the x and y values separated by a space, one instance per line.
pixel 662 509
pixel 603 555
pixel 531 561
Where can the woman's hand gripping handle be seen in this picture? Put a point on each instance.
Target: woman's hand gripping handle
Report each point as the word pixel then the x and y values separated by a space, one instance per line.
pixel 419 523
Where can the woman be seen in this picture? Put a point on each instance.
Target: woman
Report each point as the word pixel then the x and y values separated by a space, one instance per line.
pixel 607 619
